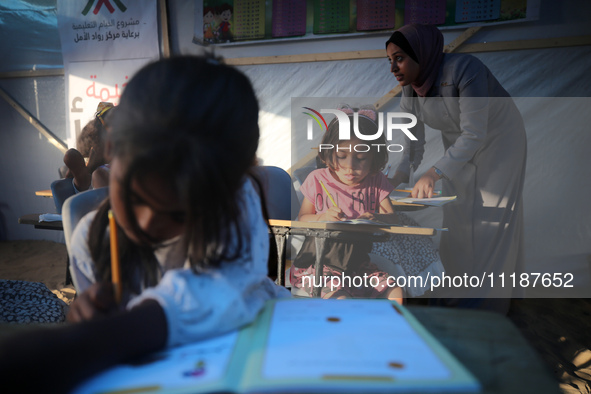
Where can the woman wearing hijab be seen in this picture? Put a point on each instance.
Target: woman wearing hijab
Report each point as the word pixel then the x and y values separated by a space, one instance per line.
pixel 483 165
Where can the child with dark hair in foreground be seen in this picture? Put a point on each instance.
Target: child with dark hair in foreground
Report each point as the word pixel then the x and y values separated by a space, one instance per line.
pixel 193 242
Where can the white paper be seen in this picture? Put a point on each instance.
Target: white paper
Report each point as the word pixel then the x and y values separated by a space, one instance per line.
pixel 50 217
pixel 433 201
pixel 320 338
pixel 189 365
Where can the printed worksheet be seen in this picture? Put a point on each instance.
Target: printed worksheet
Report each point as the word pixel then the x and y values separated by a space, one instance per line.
pixel 190 365
pixel 332 339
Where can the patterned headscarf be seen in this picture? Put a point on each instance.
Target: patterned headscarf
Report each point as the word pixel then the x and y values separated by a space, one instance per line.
pixel 426 42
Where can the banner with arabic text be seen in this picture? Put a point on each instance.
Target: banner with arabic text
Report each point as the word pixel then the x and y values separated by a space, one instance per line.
pixel 104 42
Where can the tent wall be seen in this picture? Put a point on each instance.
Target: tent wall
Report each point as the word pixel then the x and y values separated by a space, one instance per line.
pixel 557 227
pixel 28 162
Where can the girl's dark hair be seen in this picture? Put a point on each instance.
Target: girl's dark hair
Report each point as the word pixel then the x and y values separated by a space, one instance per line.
pixel 92 135
pixel 194 121
pixel 367 127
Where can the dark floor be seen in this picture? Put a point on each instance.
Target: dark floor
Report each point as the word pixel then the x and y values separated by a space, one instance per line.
pixel 560 331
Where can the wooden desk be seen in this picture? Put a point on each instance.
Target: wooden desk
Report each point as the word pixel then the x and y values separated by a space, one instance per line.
pixel 406 207
pixel 33 219
pixel 44 193
pixel 347 227
pixel 335 230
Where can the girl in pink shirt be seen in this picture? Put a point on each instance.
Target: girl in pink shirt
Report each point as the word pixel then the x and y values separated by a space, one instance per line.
pixel 353 177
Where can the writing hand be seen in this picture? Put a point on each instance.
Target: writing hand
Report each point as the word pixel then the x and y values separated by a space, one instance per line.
pixel 97 301
pixel 334 214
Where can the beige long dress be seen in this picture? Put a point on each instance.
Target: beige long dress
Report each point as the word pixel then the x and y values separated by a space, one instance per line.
pixel 484 165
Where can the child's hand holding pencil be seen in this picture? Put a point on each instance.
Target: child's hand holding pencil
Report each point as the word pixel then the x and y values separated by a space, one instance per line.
pixel 95 302
pixel 333 214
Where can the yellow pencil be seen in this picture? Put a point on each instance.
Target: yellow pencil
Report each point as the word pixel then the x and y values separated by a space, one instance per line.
pixel 329 196
pixel 115 266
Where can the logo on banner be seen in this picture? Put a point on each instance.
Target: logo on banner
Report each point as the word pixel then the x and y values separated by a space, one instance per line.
pixel 101 3
pixel 316 119
pixel 345 128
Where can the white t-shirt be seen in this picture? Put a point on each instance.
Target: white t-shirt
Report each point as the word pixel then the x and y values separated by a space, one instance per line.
pixel 201 305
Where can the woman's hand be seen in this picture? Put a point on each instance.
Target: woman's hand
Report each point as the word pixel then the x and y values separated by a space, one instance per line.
pixel 425 186
pixel 334 214
pixel 97 301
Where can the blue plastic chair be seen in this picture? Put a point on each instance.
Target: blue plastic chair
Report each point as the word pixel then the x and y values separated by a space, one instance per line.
pixel 280 195
pixel 61 190
pixel 282 204
pixel 75 207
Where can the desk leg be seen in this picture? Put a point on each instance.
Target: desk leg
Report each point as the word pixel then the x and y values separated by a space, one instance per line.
pixel 318 266
pixel 280 240
pixel 68 275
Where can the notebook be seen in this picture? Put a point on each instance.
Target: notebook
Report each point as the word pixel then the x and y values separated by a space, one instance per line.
pixel 302 345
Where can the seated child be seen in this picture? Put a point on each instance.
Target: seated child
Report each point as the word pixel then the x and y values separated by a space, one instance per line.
pixel 193 242
pixel 361 191
pixel 91 145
